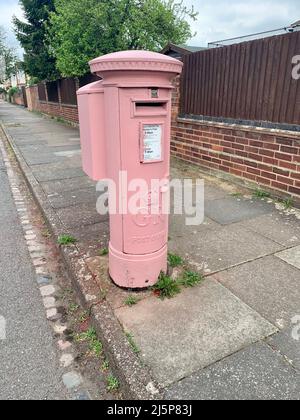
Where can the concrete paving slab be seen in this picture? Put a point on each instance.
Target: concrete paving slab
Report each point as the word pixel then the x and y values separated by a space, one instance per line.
pixel 72 198
pixel 178 228
pixel 221 247
pixel 65 185
pixel 268 285
pixel 60 164
pixel 256 373
pixel 47 174
pixel 41 125
pixel 30 141
pixel 79 215
pixel 231 210
pixel 37 158
pixel 91 238
pixel 197 328
pixel 48 130
pixel 51 140
pixel 211 192
pixel 280 228
pixel 287 342
pixel 291 256
pixel 42 154
pixel 36 147
pixel 68 153
pixel 214 193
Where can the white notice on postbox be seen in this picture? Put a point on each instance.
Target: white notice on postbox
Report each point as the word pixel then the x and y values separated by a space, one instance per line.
pixel 152 142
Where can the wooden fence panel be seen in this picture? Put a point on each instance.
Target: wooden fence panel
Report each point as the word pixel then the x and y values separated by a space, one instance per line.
pixel 68 91
pixel 247 81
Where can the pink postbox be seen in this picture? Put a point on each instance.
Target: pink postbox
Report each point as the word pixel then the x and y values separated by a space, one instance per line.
pixel 125 127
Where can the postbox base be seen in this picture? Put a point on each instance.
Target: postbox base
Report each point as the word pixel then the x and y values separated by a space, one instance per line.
pixel 137 271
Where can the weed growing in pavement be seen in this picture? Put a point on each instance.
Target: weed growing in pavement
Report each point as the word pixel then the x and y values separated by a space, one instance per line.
pixel 65 294
pixel 287 203
pixel 258 193
pixel 83 316
pixel 175 260
pixel 166 287
pixel 132 343
pixel 103 252
pixel 66 240
pixel 131 300
pixel 112 383
pixel 46 233
pixel 96 347
pixel 105 366
pixel 73 307
pixel 190 279
pixel 90 336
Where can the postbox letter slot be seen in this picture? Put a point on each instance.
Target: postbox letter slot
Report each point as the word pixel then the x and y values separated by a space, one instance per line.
pixel 151 104
pixel 150 108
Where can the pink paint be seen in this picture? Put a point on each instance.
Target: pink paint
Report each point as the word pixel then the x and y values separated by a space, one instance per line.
pixel 91 117
pixel 125 126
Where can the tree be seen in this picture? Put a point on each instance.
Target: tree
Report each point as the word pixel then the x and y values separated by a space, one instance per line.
pixel 8 59
pixel 81 30
pixel 31 34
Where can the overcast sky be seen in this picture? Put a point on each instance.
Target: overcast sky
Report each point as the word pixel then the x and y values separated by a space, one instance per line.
pixel 221 19
pixel 218 19
pixel 8 8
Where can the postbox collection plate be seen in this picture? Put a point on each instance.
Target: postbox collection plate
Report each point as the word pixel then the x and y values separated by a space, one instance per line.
pixel 151 145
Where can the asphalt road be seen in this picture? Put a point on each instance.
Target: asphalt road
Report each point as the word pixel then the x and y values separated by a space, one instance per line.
pixel 29 367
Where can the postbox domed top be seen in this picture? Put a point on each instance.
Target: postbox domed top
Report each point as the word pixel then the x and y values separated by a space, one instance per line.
pixel 136 61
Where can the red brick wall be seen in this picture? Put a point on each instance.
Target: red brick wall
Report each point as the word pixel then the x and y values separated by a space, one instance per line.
pixel 67 112
pixel 270 158
pixel 32 98
pixel 17 99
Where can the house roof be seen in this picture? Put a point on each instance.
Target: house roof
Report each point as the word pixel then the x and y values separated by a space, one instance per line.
pixel 295 24
pixel 181 49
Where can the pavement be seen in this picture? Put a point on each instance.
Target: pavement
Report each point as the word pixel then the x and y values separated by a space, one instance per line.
pixel 234 336
pixel 29 363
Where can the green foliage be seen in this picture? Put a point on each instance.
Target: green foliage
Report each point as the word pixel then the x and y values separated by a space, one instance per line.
pixel 90 336
pixel 73 307
pixel 96 347
pixel 105 365
pixel 190 279
pixel 175 260
pixel 287 203
pixel 12 91
pixel 258 193
pixel 166 287
pixel 112 383
pixel 66 240
pixel 103 252
pixel 32 81
pixel 131 301
pixel 82 30
pixel 132 343
pixel 31 33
